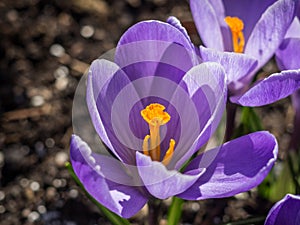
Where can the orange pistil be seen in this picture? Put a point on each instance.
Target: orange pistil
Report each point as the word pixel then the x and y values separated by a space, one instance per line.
pixel 236 26
pixel 155 116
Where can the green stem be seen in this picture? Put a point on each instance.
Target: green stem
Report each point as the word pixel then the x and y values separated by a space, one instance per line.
pixel 113 218
pixel 294 175
pixel 174 213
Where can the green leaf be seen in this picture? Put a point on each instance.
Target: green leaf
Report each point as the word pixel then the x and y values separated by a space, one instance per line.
pixel 278 183
pixel 114 218
pixel 250 122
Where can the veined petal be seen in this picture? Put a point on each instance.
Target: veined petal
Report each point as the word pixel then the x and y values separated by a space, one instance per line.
pixel 100 73
pixel 121 199
pixel 270 30
pixel 172 20
pixel 236 65
pixel 207 23
pixel 206 86
pixel 161 182
pixel 286 211
pixel 234 167
pixel 288 54
pixel 145 49
pixel 271 89
pixel 156 31
pixel 107 87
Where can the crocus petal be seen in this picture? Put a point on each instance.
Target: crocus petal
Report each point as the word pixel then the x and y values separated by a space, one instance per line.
pixel 270 30
pixel 207 23
pixel 294 29
pixel 172 20
pixel 101 71
pixel 236 65
pixel 145 46
pixel 109 104
pixel 286 211
pixel 206 85
pixel 288 54
pixel 235 167
pixel 121 199
pixel 161 182
pixel 271 89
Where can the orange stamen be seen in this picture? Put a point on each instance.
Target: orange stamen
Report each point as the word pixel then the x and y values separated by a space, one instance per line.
pixel 155 116
pixel 236 26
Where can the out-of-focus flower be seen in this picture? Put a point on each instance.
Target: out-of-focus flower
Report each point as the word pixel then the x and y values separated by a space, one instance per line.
pixel 288 58
pixel 283 84
pixel 285 212
pixel 154 107
pixel 255 28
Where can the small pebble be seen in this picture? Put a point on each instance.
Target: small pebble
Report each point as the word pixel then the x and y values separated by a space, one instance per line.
pixel 61 83
pixel 73 193
pixel 41 209
pixel 35 186
pixel 49 142
pixel 195 206
pixel 61 71
pixel 26 212
pixel 57 50
pixel 40 149
pixel 87 31
pixel 61 158
pixel 33 216
pixel 57 183
pixel 37 100
pixel 2 195
pixel 24 182
pixel 242 196
pixel 12 15
pixel 50 193
pixel 2 209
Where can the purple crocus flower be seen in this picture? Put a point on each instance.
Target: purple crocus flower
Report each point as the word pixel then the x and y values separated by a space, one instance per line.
pixel 286 211
pixel 255 28
pixel 281 85
pixel 154 107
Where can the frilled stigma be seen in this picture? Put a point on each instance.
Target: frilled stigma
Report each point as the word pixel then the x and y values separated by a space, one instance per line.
pixel 236 26
pixel 155 116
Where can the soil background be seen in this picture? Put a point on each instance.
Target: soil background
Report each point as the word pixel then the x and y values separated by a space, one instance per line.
pixel 45 47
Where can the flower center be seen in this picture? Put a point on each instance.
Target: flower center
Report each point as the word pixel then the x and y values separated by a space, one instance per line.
pixel 155 116
pixel 236 26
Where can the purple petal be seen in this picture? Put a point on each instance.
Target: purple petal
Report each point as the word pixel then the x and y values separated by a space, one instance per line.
pixel 207 23
pixel 101 72
pixel 155 58
pixel 288 54
pixel 270 30
pixel 206 86
pixel 110 96
pixel 236 65
pixel 161 182
pixel 172 20
pixel 156 31
pixel 235 167
pixel 121 199
pixel 294 29
pixel 286 211
pixel 271 89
